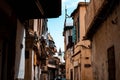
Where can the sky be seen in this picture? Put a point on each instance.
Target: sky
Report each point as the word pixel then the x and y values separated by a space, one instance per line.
pixel 56 25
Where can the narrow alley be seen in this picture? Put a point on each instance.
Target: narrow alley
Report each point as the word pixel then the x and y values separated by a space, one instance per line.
pixel 59 39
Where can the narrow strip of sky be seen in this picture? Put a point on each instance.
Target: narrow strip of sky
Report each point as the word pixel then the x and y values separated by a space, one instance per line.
pixel 56 25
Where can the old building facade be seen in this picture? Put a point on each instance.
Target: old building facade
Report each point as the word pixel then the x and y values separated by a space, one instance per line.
pixel 103 29
pixel 78 52
pixel 33 49
pixel 13 17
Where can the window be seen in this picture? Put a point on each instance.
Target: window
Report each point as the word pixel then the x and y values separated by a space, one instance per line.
pixel 71 74
pixel 74 34
pixel 76 73
pixel 111 63
pixel 78 28
pixel 26 54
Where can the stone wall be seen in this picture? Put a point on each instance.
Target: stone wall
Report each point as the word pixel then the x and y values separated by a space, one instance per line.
pixel 108 35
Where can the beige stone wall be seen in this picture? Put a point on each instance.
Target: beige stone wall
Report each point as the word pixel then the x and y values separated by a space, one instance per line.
pixel 69 64
pixel 86 60
pixel 108 35
pixel 81 57
pixel 82 12
pixel 85 53
pixel 82 54
pixel 92 10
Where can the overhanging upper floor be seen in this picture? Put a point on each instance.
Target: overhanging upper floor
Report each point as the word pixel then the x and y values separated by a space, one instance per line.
pixel 97 13
pixel 34 9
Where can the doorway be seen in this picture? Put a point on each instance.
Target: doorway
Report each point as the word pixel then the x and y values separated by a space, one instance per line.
pixel 111 63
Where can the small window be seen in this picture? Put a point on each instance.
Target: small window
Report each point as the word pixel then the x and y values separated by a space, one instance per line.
pixel 86 57
pixel 26 54
pixel 87 65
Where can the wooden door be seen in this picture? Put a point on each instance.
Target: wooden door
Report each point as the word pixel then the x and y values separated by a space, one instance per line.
pixel 111 64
